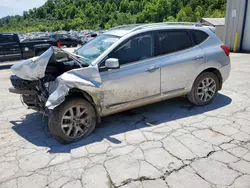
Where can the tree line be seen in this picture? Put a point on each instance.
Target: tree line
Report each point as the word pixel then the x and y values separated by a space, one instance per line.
pixel 103 14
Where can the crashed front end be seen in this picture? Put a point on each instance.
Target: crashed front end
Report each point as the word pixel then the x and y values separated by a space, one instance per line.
pixel 44 82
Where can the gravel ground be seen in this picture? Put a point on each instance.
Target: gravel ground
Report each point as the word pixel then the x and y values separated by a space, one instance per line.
pixel 169 144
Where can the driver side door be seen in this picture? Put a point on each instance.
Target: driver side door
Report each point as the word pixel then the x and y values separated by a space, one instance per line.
pixel 138 76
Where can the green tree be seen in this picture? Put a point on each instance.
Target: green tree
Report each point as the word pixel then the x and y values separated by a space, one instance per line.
pixel 124 6
pixel 99 14
pixel 199 13
pixel 171 19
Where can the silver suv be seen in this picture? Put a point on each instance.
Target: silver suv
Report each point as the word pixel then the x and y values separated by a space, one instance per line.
pixel 126 67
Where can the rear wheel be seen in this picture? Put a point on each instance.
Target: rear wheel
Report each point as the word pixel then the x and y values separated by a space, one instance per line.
pixel 205 89
pixel 73 120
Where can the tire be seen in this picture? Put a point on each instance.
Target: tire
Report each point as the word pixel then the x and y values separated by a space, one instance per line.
pixel 202 93
pixel 58 124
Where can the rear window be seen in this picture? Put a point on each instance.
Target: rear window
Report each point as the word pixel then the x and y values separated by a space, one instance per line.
pixel 173 41
pixel 199 36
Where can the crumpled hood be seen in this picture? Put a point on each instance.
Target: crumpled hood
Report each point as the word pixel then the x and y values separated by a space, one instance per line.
pixel 34 68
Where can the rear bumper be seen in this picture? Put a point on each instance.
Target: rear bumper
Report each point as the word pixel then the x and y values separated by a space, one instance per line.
pixel 225 72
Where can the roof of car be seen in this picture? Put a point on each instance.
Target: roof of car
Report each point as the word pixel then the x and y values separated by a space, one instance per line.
pixel 125 29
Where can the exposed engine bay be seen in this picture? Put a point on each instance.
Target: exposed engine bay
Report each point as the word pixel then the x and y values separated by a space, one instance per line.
pixel 35 79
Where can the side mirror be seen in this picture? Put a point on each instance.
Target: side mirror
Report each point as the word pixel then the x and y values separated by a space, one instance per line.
pixel 112 63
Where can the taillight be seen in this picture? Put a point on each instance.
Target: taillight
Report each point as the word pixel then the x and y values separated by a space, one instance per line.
pixel 226 49
pixel 59 44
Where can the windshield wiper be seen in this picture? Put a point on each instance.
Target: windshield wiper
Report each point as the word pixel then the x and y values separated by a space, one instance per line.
pixel 80 59
pixel 76 57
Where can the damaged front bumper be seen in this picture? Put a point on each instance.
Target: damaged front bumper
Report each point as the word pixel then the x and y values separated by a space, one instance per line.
pixel 44 95
pixel 86 79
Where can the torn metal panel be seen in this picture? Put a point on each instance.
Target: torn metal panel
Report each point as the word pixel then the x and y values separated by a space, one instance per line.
pixel 87 76
pixel 86 79
pixel 58 95
pixel 33 69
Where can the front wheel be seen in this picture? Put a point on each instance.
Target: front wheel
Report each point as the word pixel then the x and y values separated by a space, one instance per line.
pixel 73 120
pixel 205 89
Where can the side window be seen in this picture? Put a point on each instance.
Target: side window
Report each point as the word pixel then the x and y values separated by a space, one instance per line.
pixel 172 41
pixel 199 36
pixel 135 49
pixel 157 45
pixel 7 39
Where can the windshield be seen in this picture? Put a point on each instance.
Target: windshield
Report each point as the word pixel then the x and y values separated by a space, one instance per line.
pixel 93 49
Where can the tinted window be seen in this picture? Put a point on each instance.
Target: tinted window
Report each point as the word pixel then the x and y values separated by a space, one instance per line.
pixel 172 41
pixel 135 49
pixel 157 45
pixel 199 36
pixel 7 39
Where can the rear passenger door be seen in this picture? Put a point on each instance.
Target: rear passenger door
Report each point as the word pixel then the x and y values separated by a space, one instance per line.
pixel 180 59
pixel 12 48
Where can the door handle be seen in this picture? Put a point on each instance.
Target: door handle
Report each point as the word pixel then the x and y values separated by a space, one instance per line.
pixel 152 69
pixel 198 58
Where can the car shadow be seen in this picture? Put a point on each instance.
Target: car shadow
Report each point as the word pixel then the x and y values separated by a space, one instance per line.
pixel 34 128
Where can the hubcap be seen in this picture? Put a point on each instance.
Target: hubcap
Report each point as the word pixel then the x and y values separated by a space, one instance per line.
pixel 75 121
pixel 206 89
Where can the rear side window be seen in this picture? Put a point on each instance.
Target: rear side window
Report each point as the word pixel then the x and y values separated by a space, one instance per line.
pixel 199 36
pixel 173 41
pixel 7 39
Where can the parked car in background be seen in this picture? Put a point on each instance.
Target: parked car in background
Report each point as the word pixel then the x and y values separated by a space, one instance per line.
pixel 90 37
pixel 126 67
pixel 12 49
pixel 66 40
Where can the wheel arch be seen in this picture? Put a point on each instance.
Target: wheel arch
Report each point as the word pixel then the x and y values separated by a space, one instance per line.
pixel 216 72
pixel 75 92
pixel 198 73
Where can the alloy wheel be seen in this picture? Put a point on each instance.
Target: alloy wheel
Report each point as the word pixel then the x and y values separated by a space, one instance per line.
pixel 76 121
pixel 207 89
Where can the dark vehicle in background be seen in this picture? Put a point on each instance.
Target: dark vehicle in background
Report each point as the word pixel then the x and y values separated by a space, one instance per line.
pixel 12 49
pixel 66 40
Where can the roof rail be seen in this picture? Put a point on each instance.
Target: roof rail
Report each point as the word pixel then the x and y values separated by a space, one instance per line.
pixel 166 23
pixel 126 25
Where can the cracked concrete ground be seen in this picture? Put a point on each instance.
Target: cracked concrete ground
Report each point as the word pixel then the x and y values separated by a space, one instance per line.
pixel 169 144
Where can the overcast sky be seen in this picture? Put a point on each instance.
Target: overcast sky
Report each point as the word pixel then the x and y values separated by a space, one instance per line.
pixel 13 7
